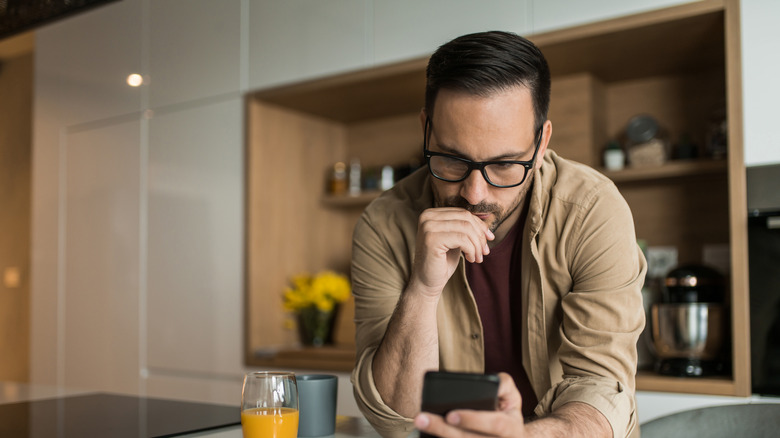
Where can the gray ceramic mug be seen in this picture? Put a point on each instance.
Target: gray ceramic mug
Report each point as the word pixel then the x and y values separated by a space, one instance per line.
pixel 317 395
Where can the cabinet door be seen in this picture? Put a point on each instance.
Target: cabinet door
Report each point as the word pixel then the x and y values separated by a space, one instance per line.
pixel 98 320
pixel 194 51
pixel 761 89
pixel 299 39
pixel 556 14
pixel 195 239
pixel 82 63
pixel 409 29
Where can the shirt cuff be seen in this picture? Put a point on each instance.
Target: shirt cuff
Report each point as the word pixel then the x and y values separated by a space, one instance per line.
pixel 607 396
pixel 385 420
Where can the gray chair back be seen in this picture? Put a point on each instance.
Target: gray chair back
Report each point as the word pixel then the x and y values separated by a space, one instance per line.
pixel 745 420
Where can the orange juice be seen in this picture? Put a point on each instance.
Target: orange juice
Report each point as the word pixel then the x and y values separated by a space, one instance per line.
pixel 270 423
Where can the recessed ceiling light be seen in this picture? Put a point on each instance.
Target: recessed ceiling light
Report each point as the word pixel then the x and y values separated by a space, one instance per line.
pixel 135 80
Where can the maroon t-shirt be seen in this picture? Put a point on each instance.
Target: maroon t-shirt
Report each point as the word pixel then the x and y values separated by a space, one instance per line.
pixel 496 286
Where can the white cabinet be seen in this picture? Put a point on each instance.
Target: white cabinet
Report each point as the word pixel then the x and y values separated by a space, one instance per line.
pixel 761 90
pixel 300 39
pixel 84 62
pixel 194 51
pixel 556 14
pixel 98 326
pixel 195 239
pixel 85 221
pixel 409 29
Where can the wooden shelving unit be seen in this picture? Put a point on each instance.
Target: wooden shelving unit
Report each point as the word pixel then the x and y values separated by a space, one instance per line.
pixel 676 64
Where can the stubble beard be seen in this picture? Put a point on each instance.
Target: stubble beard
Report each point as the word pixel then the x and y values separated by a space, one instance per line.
pixel 500 215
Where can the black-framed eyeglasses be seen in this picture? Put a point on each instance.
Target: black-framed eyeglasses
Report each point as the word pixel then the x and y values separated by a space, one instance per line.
pixel 452 168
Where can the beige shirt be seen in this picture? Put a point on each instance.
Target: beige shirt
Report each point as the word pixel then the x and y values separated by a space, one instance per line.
pixel 581 295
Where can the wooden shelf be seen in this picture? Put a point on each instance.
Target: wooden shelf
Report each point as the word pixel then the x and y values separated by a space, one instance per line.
pixel 349 201
pixel 648 381
pixel 672 169
pixel 327 358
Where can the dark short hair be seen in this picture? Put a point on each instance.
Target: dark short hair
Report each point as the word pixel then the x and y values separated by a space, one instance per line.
pixel 486 62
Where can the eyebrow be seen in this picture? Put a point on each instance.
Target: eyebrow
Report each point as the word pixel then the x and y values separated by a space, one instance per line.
pixel 504 157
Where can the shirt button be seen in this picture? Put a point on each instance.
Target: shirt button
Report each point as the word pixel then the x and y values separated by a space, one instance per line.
pixel 475 336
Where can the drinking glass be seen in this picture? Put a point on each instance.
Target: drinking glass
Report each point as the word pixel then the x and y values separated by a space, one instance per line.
pixel 269 405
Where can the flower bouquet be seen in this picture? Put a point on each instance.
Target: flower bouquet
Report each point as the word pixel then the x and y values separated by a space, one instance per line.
pixel 314 299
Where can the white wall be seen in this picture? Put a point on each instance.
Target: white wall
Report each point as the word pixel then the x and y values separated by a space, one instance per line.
pixel 138 192
pixel 760 87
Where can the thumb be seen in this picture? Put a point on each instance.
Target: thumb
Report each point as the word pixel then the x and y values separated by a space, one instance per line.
pixel 509 398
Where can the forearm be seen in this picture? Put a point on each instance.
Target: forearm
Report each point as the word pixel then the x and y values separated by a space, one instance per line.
pixel 572 420
pixel 409 348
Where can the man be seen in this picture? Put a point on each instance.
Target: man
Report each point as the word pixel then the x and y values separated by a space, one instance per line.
pixel 499 256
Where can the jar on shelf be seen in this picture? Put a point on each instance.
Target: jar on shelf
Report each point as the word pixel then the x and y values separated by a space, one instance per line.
pixel 387 179
pixel 338 179
pixel 717 136
pixel 355 173
pixel 614 157
pixel 646 144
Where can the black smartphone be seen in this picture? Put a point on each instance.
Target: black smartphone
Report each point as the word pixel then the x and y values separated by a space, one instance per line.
pixel 444 391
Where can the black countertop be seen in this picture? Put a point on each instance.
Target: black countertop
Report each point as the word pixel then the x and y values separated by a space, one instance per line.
pixel 111 415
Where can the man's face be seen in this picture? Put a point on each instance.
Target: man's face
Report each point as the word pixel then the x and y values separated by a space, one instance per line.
pixel 498 127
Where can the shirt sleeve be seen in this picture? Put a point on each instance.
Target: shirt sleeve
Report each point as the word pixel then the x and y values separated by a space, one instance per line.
pixel 602 315
pixel 378 277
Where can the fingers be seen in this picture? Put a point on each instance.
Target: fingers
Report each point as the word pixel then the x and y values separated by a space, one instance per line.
pixel 436 426
pixel 468 423
pixel 442 235
pixel 454 228
pixel 509 398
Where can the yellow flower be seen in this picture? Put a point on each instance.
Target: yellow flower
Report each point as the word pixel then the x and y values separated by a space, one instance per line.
pixel 324 291
pixel 324 304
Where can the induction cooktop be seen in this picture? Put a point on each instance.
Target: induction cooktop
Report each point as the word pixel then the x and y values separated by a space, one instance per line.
pixel 111 415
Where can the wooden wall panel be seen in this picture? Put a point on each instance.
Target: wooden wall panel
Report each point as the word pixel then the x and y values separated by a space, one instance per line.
pixel 15 189
pixel 680 104
pixel 387 141
pixel 576 108
pixel 287 230
pixel 686 216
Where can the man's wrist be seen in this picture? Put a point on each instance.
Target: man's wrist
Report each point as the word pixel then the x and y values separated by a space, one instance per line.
pixel 419 293
pixel 574 419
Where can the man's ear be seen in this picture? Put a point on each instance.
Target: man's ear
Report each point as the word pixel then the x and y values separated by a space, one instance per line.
pixel 423 116
pixel 546 134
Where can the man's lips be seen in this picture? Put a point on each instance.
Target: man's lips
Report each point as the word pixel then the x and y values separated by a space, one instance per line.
pixel 482 216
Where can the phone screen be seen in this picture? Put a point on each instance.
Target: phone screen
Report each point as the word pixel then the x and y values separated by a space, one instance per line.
pixel 445 391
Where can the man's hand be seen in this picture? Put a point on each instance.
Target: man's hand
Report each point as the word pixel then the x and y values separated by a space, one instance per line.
pixel 442 235
pixel 507 421
pixel 411 343
pixel 573 419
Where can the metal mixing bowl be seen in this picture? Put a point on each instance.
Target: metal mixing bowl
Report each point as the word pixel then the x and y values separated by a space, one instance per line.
pixel 688 330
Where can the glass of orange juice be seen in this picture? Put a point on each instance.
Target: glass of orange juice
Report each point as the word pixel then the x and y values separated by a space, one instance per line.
pixel 269 405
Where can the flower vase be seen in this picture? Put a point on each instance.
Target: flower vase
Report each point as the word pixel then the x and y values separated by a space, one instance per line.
pixel 315 326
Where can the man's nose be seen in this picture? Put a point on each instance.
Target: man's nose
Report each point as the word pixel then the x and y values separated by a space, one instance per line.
pixel 474 188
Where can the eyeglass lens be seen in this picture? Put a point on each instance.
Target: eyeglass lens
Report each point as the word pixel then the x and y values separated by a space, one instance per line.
pixel 453 169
